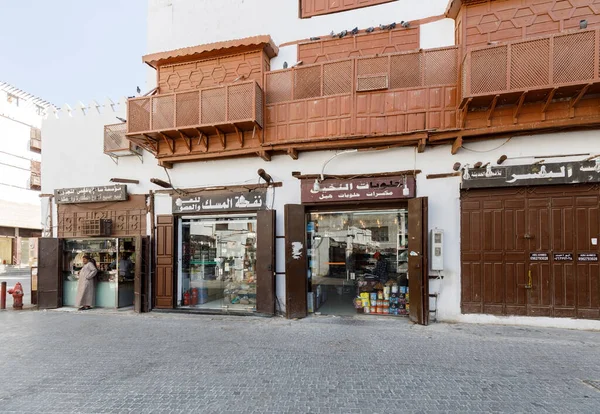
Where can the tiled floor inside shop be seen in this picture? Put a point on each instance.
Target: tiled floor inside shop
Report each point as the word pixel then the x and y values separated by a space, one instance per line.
pixel 338 302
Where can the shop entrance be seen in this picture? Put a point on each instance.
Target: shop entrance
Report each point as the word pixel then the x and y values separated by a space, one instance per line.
pixel 358 262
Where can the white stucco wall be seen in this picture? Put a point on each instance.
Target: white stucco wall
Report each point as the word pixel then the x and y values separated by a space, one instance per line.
pixel 16 122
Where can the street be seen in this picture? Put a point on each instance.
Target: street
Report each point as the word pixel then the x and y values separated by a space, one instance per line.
pixel 77 362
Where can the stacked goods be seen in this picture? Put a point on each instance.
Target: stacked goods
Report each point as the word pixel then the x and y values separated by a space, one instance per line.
pixel 387 300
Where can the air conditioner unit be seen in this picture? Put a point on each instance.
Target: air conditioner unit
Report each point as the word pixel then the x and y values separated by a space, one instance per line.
pixel 97 227
pixel 376 82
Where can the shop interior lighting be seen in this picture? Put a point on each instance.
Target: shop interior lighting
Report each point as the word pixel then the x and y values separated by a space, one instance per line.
pixel 124 181
pixel 160 183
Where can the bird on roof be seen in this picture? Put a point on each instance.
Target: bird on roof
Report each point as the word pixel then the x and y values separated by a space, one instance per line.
pixel 370 29
pixel 354 31
pixel 139 90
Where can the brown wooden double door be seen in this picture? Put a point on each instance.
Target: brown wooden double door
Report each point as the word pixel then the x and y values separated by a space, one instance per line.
pixel 531 251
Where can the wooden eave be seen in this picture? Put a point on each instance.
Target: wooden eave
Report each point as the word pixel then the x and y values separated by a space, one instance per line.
pixel 211 50
pixel 454 6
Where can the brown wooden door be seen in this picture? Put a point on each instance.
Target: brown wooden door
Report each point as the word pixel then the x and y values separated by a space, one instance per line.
pixel 141 281
pixel 296 282
pixel 265 262
pixel 418 267
pixel 50 295
pixel 164 286
pixel 544 232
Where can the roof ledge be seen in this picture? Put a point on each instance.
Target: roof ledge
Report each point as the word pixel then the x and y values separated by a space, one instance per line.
pixel 211 50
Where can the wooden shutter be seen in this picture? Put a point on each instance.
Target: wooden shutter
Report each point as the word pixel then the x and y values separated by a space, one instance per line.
pixel 164 288
pixel 295 261
pixel 418 272
pixel 141 281
pixel 50 293
pixel 265 262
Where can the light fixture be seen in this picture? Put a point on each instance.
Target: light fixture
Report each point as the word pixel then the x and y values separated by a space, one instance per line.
pixel 405 190
pixel 316 185
pixel 583 24
pixel 263 174
pixel 124 181
pixel 501 159
pixel 478 164
pixel 160 183
pixel 456 166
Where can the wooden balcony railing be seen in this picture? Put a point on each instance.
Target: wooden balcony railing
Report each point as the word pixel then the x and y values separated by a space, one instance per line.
pixel 550 62
pixel 35 140
pixel 398 93
pixel 238 105
pixel 35 177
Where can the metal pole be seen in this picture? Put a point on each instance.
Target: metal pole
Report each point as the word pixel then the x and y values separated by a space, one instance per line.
pixel 3 296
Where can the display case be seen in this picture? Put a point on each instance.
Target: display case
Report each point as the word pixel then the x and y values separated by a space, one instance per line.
pixel 115 260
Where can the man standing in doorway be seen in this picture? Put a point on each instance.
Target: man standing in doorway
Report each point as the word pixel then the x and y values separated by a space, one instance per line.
pixel 381 268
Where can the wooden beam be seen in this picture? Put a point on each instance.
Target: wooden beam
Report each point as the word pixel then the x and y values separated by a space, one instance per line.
pixel 202 139
pixel 222 137
pixel 292 152
pixel 519 106
pixel 577 99
pixel 152 142
pixel 165 164
pixel 547 104
pixel 421 145
pixel 265 155
pixel 465 109
pixel 492 109
pixel 261 136
pixel 169 142
pixel 187 140
pixel 444 175
pixel 240 135
pixel 456 145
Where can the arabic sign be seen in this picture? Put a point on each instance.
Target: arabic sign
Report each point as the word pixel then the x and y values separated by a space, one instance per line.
pixel 251 200
pixel 587 257
pixel 538 257
pixel 544 174
pixel 563 257
pixel 91 194
pixel 360 189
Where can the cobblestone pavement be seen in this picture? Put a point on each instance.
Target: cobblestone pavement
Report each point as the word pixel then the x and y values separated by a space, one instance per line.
pixel 77 362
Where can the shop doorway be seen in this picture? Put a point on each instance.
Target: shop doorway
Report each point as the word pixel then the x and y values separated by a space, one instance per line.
pixel 358 262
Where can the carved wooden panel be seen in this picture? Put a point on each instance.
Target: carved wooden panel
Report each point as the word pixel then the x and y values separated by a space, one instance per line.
pixel 309 8
pixel 499 21
pixel 211 72
pixel 128 217
pixel 363 44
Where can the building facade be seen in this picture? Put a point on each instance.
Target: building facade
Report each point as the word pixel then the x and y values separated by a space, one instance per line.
pixel 20 165
pixel 434 160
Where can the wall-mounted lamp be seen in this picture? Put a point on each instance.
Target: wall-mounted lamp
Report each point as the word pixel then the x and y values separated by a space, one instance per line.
pixel 405 190
pixel 456 166
pixel 478 164
pixel 263 174
pixel 124 181
pixel 160 183
pixel 501 159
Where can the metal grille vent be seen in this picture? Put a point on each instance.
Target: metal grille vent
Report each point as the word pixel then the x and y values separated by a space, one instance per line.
pixel 96 227
pixel 372 82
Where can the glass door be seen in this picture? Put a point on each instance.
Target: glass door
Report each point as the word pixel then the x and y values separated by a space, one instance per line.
pixel 218 261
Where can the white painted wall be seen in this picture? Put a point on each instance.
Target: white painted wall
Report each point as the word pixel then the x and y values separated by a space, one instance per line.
pixel 16 121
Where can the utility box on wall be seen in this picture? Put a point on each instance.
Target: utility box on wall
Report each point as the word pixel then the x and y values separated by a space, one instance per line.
pixel 437 249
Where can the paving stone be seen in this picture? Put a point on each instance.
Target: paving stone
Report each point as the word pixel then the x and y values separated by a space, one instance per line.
pixel 75 362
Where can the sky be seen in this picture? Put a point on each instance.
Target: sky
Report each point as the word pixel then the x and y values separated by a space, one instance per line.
pixel 66 51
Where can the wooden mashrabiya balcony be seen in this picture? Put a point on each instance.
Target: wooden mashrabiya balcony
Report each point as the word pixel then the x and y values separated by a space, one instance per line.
pixel 537 83
pixel 158 122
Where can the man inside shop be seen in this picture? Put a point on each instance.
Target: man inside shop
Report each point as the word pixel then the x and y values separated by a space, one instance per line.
pixel 381 268
pixel 126 267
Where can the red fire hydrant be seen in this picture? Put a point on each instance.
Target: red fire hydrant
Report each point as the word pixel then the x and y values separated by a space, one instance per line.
pixel 17 294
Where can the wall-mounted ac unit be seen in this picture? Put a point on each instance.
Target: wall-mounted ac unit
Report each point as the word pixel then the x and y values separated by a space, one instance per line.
pixel 97 227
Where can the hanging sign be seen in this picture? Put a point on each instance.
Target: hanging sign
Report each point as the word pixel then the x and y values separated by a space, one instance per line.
pixel 538 257
pixel 239 201
pixel 563 257
pixel 90 194
pixel 539 174
pixel 587 257
pixel 360 189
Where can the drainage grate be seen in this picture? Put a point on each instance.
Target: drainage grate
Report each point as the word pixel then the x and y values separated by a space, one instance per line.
pixel 593 383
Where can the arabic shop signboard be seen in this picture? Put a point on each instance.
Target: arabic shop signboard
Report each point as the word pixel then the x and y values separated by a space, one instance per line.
pixel 91 194
pixel 361 189
pixel 539 174
pixel 247 201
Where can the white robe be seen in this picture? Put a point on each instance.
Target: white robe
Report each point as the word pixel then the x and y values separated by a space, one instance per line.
pixel 85 285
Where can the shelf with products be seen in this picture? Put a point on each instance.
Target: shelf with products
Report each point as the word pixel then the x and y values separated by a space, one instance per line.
pixel 374 297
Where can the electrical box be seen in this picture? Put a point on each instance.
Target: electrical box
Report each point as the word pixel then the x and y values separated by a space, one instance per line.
pixel 436 244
